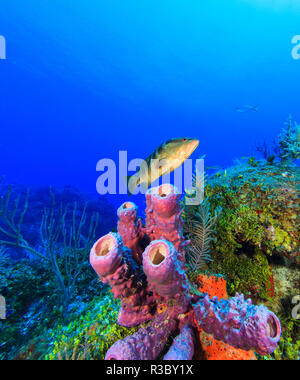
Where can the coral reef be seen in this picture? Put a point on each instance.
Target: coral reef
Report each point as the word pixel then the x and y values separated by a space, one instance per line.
pixel 289 142
pixel 289 345
pixel 257 239
pixel 65 235
pixel 286 147
pixel 258 227
pixel 36 300
pixel 41 199
pixel 159 291
pixel 91 334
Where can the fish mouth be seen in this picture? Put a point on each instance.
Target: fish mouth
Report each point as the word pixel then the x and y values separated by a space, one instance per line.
pixel 193 144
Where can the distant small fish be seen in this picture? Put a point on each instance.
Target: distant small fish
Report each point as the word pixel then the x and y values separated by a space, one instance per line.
pixel 247 108
pixel 165 159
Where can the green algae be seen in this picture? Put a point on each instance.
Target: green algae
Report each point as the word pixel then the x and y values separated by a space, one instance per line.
pixel 258 226
pixel 91 335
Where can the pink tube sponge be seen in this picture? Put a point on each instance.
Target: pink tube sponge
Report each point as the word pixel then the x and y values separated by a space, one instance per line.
pixel 239 323
pixel 106 254
pixel 145 344
pixel 115 266
pixel 162 268
pixel 164 200
pixel 130 228
pixel 183 345
pixel 163 217
pixel 159 291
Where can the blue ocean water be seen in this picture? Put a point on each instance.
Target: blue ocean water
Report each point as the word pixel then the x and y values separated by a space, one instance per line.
pixel 84 80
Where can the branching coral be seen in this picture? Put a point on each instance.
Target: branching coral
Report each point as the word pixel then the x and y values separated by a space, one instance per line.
pixel 289 141
pixel 4 258
pixel 61 247
pixel 4 268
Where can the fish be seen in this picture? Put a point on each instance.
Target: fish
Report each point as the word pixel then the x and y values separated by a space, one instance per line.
pixel 165 159
pixel 247 108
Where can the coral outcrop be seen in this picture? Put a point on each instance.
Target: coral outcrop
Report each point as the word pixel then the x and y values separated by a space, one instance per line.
pixel 289 141
pixel 158 291
pixel 258 228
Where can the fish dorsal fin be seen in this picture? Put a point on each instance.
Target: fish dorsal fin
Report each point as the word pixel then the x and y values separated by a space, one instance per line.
pixel 159 150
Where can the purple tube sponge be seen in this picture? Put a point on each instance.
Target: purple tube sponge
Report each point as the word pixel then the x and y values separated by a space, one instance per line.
pixel 239 323
pixel 131 230
pixel 163 269
pixel 163 217
pixel 145 344
pixel 114 265
pixel 159 291
pixel 183 345
pixel 107 256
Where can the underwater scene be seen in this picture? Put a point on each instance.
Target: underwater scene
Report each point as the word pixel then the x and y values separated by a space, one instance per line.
pixel 149 180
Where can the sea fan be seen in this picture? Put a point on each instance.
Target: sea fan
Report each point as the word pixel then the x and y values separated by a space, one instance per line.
pixel 200 230
pixel 4 258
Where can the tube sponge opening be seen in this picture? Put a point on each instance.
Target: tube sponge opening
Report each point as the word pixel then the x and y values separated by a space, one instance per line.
pixel 165 190
pixel 128 205
pixel 158 254
pixel 104 246
pixel 107 254
pixel 273 327
pixel 164 201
